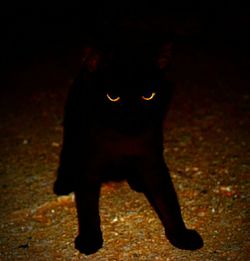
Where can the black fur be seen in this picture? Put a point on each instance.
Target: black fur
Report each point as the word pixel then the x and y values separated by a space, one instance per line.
pixel 114 140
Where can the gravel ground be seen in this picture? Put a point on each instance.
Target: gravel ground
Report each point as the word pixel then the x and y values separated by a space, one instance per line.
pixel 206 148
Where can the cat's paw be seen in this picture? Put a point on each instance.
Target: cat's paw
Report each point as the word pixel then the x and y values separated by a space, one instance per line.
pixel 187 239
pixel 88 245
pixel 62 188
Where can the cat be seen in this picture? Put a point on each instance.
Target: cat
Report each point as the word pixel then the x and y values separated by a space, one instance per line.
pixel 113 130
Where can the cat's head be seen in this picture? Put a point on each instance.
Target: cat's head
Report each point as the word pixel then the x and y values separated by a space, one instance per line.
pixel 129 88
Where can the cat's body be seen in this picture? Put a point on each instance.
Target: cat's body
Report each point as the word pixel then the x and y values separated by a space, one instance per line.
pixel 113 130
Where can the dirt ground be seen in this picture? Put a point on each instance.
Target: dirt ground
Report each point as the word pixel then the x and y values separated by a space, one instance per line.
pixel 206 148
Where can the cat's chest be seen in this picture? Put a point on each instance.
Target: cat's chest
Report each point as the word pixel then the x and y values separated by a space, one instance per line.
pixel 111 144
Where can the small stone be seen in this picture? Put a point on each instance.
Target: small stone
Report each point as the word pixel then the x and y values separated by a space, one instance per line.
pixel 25 142
pixel 201 214
pixel 229 191
pixel 55 144
pixel 115 219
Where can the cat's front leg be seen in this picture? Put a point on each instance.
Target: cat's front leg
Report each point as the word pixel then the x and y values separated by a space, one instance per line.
pixel 89 239
pixel 160 191
pixel 71 160
pixel 65 181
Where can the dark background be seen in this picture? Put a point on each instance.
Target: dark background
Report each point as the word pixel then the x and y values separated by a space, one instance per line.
pixel 33 30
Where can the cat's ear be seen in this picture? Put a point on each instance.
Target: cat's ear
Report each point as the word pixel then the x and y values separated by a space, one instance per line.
pixel 91 59
pixel 165 55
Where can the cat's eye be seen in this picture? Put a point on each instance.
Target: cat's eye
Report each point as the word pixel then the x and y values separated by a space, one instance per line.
pixel 148 97
pixel 113 98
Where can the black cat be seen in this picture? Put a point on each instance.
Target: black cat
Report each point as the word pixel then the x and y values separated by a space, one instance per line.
pixel 113 131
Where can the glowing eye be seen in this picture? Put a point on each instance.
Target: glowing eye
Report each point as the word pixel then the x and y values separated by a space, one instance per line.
pixel 148 98
pixel 113 98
